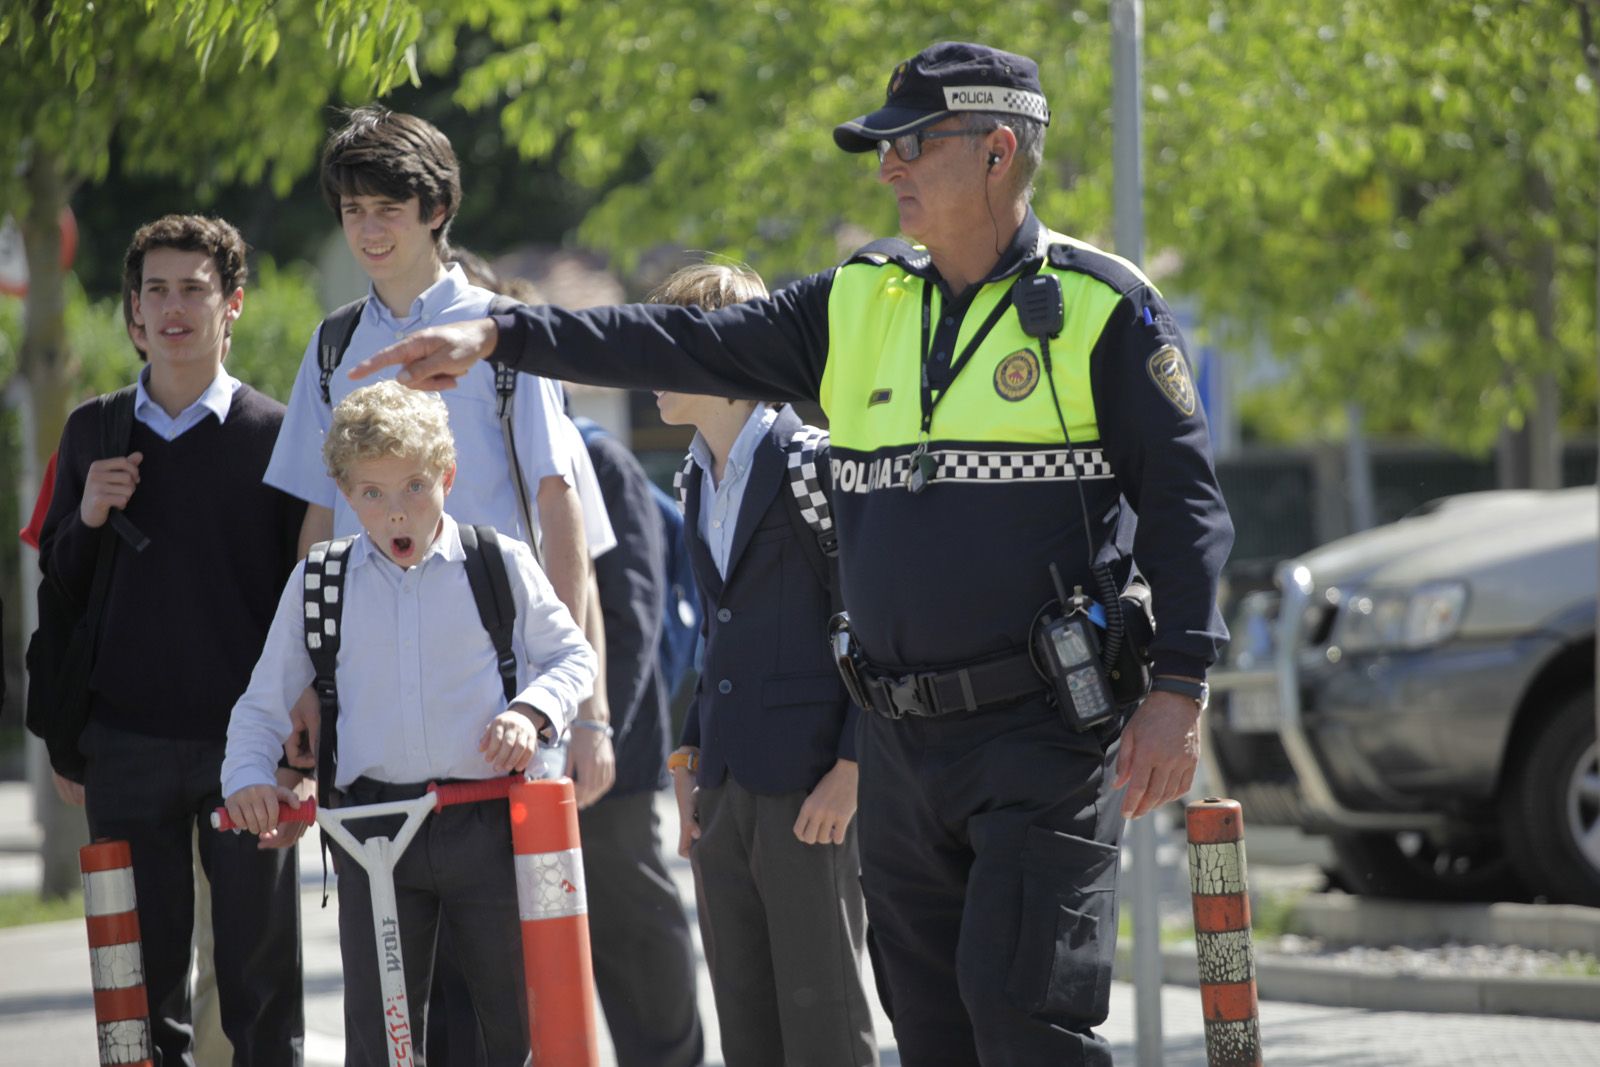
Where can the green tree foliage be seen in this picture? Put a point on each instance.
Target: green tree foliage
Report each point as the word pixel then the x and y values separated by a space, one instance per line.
pixel 1401 198
pixel 201 91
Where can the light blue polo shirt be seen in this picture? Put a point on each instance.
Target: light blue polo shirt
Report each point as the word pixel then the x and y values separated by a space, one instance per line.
pixel 483 491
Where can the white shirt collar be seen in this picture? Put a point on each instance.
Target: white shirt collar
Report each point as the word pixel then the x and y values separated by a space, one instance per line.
pixel 433 300
pixel 217 398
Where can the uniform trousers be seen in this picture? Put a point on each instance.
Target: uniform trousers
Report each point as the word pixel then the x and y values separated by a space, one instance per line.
pixel 989 846
pixel 644 965
pixel 155 793
pixel 783 927
pixel 457 871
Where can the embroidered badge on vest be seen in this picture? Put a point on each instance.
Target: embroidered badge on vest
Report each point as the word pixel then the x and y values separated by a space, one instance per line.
pixel 1017 375
pixel 1170 371
pixel 879 396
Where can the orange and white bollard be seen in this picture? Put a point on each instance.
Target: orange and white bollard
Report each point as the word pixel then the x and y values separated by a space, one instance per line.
pixel 1222 933
pixel 556 961
pixel 116 957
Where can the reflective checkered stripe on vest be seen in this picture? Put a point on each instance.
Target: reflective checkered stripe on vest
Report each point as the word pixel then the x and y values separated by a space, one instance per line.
pixel 996 423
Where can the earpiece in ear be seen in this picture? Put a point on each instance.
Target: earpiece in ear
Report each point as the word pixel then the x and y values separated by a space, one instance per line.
pixel 994 157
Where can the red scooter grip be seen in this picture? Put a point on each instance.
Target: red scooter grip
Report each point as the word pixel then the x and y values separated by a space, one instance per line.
pixel 306 813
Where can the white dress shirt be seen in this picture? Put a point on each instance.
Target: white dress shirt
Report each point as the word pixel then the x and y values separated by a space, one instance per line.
pixel 416 673
pixel 720 503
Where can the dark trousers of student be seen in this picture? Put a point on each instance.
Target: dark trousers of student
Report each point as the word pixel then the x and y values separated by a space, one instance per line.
pixel 153 792
pixel 989 845
pixel 783 927
pixel 644 966
pixel 458 871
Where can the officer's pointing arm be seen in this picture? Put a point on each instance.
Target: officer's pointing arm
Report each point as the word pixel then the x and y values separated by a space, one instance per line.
pixel 770 349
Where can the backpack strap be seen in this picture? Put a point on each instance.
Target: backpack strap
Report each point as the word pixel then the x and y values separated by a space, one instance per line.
pixel 323 601
pixel 809 510
pixel 333 337
pixel 680 482
pixel 491 591
pixel 505 390
pixel 116 432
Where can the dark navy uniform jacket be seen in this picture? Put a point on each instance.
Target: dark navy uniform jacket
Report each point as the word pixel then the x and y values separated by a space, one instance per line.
pixel 769 706
pixel 955 574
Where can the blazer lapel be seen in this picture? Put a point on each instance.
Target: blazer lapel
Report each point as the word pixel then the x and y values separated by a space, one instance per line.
pixel 705 568
pixel 767 478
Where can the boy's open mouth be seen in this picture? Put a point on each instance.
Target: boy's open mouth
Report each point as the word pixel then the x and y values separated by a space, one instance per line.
pixel 400 546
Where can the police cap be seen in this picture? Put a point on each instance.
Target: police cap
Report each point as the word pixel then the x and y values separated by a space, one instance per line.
pixel 941 80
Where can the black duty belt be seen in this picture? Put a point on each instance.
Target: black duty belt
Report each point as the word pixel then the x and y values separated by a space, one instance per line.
pixel 930 694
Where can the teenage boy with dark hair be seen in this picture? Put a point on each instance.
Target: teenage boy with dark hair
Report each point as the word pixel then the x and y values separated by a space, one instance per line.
pixel 220 545
pixel 405 722
pixel 394 183
pixel 766 776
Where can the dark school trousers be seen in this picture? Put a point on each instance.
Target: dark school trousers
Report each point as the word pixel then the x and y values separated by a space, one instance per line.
pixel 153 793
pixel 458 871
pixel 989 847
pixel 783 928
pixel 644 965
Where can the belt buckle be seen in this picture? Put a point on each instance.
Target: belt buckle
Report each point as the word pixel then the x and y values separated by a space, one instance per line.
pixel 911 695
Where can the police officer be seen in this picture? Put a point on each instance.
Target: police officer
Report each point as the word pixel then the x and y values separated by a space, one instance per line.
pixel 1001 398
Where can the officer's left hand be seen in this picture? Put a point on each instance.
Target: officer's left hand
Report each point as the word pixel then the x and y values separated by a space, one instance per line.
pixel 1160 749
pixel 826 813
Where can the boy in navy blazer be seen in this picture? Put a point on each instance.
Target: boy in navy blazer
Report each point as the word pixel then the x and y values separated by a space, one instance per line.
pixel 766 775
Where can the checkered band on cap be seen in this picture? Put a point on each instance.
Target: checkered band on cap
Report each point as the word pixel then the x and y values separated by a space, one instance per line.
pixel 804 479
pixel 989 98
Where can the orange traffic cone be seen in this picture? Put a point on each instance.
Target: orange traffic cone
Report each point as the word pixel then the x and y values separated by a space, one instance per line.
pixel 116 958
pixel 557 966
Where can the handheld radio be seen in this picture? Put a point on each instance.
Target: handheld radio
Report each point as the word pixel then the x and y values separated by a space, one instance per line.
pixel 1068 649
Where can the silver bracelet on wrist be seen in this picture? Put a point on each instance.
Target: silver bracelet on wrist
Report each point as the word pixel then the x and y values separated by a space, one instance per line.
pixel 596 725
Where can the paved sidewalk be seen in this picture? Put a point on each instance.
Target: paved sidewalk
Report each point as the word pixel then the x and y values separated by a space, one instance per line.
pixel 47 1015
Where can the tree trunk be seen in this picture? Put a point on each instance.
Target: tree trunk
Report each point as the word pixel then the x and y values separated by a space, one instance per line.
pixel 47 365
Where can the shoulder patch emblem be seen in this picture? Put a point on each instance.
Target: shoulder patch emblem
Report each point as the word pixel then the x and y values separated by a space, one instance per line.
pixel 1017 375
pixel 1170 371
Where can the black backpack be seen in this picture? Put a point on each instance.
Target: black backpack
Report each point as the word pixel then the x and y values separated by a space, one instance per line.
pixel 323 601
pixel 60 656
pixel 333 338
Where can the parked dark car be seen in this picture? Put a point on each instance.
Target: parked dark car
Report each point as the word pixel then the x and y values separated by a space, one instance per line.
pixel 1423 693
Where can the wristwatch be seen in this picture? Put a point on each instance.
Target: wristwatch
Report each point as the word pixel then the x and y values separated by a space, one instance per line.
pixel 1199 692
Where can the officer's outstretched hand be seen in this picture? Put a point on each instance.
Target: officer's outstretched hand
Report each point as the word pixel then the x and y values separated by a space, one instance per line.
pixel 435 357
pixel 1160 748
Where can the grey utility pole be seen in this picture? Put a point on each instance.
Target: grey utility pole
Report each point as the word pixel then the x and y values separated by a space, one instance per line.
pixel 1127 148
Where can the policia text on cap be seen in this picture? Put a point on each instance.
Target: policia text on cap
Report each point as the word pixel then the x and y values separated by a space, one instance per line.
pixel 969 456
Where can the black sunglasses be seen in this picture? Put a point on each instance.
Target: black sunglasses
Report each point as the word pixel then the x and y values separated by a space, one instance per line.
pixel 908 146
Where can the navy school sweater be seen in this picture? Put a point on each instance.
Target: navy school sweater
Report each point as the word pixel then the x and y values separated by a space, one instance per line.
pixel 185 619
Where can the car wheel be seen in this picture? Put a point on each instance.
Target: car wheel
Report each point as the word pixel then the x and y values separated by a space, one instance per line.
pixel 1552 809
pixel 1414 866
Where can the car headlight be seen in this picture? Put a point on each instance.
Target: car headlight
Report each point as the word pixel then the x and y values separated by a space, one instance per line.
pixel 1401 618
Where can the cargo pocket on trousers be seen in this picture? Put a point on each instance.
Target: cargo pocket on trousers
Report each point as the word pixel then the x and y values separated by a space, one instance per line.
pixel 1066 936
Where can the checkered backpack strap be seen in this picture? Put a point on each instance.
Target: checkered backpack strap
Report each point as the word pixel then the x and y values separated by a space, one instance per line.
pixel 805 481
pixel 323 589
pixel 680 483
